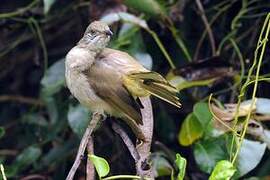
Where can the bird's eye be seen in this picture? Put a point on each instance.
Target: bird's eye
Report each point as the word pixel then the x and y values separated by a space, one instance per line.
pixel 92 32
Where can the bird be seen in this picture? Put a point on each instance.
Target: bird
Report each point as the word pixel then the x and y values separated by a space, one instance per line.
pixel 110 81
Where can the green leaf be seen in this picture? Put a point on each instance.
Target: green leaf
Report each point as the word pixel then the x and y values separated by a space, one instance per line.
pixel 24 160
pixel 2 131
pixel 78 119
pixel 250 155
pixel 208 152
pixel 180 83
pixel 150 7
pixel 181 164
pixel 160 164
pixel 190 131
pixel 101 165
pixel 201 111
pixel 224 170
pixel 57 153
pixel 54 78
pixel 47 5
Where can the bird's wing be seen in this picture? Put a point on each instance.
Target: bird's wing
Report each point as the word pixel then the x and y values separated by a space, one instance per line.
pixel 107 83
pixel 138 79
pixel 121 61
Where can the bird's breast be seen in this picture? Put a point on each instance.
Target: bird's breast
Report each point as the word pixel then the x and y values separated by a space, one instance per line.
pixel 82 90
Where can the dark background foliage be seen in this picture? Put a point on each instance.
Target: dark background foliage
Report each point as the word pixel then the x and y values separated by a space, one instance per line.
pixel 40 120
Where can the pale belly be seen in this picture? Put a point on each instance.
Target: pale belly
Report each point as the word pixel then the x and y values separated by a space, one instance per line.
pixel 83 92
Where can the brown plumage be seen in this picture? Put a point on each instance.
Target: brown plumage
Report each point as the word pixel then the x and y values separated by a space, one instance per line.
pixel 111 81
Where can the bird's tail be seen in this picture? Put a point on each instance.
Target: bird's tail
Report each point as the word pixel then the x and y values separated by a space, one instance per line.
pixel 156 85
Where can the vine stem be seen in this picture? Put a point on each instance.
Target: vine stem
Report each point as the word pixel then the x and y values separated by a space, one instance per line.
pixel 124 177
pixel 261 44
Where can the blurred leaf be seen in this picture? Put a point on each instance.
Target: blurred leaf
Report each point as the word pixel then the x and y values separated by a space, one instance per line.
pixel 54 78
pixel 208 152
pixel 52 109
pixel 47 5
pixel 101 165
pixel 180 83
pixel 181 164
pixel 126 17
pixel 24 160
pixel 190 131
pixel 2 131
pixel 131 41
pixel 250 155
pixel 201 111
pixel 78 119
pixel 58 153
pixel 160 164
pixel 224 170
pixel 150 7
pixel 35 118
pixel 262 105
pixel 145 59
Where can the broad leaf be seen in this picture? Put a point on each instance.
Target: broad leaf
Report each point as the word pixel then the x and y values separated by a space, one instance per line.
pixel 23 160
pixel 250 155
pixel 78 119
pixel 190 131
pixel 208 152
pixel 47 5
pixel 150 7
pixel 101 165
pixel 54 78
pixel 224 170
pixel 201 111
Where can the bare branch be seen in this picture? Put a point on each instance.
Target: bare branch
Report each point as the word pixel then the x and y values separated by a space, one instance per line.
pixel 143 168
pixel 126 140
pixel 21 99
pixel 90 169
pixel 87 135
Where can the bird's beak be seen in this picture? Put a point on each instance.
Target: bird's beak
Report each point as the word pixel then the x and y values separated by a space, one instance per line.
pixel 109 32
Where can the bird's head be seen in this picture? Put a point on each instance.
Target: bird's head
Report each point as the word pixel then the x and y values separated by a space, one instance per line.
pixel 97 35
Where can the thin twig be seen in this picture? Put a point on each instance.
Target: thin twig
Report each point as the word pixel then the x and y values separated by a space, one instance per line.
pixel 117 128
pixel 20 10
pixel 34 176
pixel 90 169
pixel 207 27
pixel 21 99
pixel 8 152
pixel 95 118
pixel 142 166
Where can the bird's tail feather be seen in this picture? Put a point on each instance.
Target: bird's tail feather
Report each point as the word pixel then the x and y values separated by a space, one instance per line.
pixel 156 85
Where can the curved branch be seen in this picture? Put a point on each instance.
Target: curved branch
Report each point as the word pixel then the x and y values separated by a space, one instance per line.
pixel 142 166
pixel 117 128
